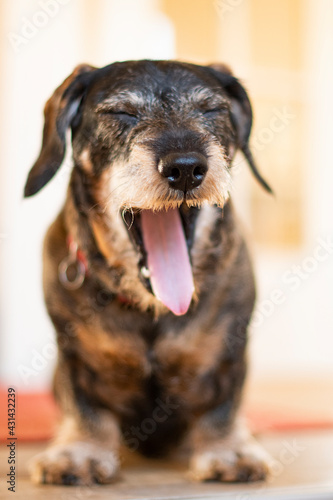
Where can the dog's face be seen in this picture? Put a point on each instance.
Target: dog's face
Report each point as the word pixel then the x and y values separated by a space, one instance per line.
pixel 161 131
pixel 150 138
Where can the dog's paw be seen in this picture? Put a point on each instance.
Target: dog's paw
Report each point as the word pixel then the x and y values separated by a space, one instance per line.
pixel 248 462
pixel 77 463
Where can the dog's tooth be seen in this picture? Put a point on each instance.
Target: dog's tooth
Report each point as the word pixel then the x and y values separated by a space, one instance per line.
pixel 145 272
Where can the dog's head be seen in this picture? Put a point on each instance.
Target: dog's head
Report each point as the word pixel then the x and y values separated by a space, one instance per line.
pixel 156 137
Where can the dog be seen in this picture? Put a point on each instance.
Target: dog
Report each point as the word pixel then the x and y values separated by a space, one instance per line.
pixel 147 278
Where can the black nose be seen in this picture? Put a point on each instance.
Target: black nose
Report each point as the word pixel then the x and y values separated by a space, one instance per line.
pixel 184 171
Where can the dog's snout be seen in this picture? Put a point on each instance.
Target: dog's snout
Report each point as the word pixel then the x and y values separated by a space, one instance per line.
pixel 184 171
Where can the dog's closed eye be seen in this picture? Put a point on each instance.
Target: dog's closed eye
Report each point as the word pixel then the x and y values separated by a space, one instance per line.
pixel 126 117
pixel 129 117
pixel 214 111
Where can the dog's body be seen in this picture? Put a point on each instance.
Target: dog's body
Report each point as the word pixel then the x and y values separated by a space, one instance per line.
pixel 152 146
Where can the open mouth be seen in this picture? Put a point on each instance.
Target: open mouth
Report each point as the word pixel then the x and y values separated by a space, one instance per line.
pixel 164 240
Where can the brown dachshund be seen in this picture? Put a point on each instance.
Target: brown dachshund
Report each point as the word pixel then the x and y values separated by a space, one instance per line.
pixel 147 278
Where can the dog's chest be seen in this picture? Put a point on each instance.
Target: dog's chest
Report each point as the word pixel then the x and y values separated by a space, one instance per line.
pixel 184 366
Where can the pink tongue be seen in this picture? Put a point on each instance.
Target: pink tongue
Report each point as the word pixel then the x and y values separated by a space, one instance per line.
pixel 168 261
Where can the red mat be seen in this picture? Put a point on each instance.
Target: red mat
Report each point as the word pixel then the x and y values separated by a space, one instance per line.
pixel 36 416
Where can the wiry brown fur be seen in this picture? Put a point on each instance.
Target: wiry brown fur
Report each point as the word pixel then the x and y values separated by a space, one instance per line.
pixel 124 358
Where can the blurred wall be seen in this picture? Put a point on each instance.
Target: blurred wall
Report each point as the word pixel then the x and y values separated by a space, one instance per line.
pixel 281 50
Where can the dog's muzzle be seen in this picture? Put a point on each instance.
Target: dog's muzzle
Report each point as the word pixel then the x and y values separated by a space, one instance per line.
pixel 184 171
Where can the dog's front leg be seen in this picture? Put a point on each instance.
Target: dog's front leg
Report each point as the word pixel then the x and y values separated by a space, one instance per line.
pixel 228 454
pixel 78 455
pixel 85 448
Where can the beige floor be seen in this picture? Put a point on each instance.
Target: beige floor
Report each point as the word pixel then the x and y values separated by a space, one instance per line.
pixel 307 475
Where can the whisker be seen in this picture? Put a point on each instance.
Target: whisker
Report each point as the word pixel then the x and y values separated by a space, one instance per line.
pixel 123 217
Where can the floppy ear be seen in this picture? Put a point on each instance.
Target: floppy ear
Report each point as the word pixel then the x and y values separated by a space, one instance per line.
pixel 59 112
pixel 241 114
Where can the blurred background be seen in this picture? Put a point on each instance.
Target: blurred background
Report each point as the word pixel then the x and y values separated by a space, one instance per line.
pixel 282 52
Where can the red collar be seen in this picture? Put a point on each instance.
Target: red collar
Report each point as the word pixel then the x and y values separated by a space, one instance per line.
pixel 77 258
